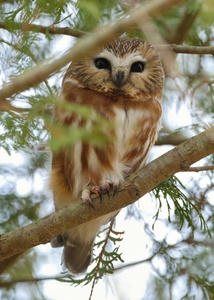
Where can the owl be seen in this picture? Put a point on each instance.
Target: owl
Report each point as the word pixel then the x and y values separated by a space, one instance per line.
pixel 122 82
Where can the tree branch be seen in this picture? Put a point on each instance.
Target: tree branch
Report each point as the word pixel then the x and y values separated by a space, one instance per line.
pixel 174 138
pixel 199 169
pixel 136 186
pixel 85 45
pixel 7 263
pixel 187 49
pixel 25 27
pixel 185 24
pixel 9 283
pixel 133 264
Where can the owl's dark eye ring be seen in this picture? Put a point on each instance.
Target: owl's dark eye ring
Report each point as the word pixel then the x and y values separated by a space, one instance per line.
pixel 102 63
pixel 137 67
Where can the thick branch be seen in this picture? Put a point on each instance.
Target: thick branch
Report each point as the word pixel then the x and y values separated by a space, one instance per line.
pixel 85 45
pixel 134 187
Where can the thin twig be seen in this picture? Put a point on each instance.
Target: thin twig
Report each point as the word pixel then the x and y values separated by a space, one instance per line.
pixel 198 86
pixel 133 264
pixel 6 284
pixel 25 27
pixel 100 257
pixel 199 169
pixel 185 49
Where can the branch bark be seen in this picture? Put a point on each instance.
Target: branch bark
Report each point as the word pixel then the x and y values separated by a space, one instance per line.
pixel 25 27
pixel 185 49
pixel 136 186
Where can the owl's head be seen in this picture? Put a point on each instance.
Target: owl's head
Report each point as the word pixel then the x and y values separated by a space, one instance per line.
pixel 126 67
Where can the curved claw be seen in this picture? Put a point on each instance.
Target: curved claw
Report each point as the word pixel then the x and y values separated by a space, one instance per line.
pixel 86 197
pixel 101 199
pixel 108 187
pixel 114 189
pixel 90 203
pixel 107 191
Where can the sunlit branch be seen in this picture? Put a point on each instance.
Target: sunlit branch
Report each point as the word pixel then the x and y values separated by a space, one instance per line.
pixel 136 186
pixel 85 45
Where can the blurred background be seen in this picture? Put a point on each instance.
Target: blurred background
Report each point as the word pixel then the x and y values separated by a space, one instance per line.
pixel 164 249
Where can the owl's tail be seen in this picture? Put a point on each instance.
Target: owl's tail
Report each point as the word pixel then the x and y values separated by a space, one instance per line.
pixel 78 243
pixel 76 255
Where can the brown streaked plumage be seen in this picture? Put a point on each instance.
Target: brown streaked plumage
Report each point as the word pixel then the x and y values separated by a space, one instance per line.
pixel 123 83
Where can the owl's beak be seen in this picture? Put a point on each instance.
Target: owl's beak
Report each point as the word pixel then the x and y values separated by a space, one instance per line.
pixel 119 79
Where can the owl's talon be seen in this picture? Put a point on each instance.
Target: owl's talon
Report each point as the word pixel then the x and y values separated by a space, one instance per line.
pixel 101 198
pixel 90 203
pixel 107 192
pixel 110 187
pixel 114 189
pixel 86 197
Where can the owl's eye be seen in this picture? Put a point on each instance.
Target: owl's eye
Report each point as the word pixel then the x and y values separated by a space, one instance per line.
pixel 137 67
pixel 102 63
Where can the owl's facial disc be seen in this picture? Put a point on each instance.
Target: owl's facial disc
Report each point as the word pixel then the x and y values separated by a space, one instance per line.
pixel 126 68
pixel 118 70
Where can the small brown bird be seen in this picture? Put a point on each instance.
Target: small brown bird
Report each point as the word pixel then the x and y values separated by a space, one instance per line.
pixel 123 83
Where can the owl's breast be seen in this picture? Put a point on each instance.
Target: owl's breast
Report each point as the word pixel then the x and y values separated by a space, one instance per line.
pixel 137 130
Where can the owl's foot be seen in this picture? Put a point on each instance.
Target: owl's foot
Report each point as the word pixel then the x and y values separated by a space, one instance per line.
pixel 86 194
pixel 109 186
pixel 86 197
pixel 106 187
